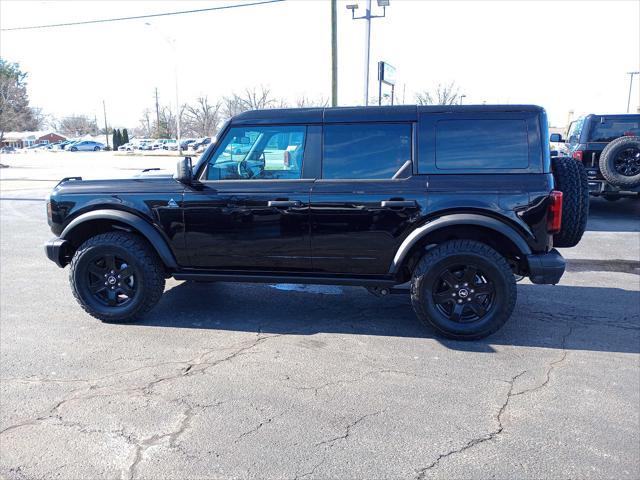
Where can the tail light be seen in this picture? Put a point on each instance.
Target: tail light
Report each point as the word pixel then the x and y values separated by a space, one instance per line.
pixel 287 157
pixel 554 213
pixel 577 155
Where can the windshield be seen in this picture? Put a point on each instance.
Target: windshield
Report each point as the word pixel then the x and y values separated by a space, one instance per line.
pixel 608 129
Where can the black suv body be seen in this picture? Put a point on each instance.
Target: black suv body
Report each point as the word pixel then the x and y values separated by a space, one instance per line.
pixel 587 139
pixel 449 198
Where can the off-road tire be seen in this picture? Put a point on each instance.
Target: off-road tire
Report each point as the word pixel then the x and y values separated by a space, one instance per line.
pixel 148 267
pixel 607 162
pixel 426 276
pixel 571 179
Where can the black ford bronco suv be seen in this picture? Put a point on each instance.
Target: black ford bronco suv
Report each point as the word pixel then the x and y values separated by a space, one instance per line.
pixel 609 148
pixel 456 200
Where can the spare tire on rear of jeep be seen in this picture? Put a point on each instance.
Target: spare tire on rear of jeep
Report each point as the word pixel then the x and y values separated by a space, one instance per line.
pixel 571 179
pixel 620 162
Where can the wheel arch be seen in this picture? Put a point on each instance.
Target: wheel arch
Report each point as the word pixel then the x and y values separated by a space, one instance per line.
pixel 100 221
pixel 498 235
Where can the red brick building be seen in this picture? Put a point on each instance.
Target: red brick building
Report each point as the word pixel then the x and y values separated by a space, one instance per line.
pixel 27 139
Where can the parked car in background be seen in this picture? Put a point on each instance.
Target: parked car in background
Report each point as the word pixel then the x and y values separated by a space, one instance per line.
pixel 184 144
pixel 609 148
pixel 65 144
pixel 127 147
pixel 170 144
pixel 8 149
pixel 200 144
pixel 159 144
pixel 86 146
pixel 146 145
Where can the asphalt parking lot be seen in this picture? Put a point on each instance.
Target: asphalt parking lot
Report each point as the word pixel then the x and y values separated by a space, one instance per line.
pixel 282 381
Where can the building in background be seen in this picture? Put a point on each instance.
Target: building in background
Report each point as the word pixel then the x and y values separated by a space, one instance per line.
pixel 28 139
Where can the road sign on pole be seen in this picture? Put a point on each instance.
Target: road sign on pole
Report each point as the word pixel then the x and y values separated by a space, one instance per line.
pixel 386 74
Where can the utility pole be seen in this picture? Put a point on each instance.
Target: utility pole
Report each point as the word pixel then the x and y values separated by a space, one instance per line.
pixel 106 129
pixel 334 53
pixel 631 74
pixel 157 115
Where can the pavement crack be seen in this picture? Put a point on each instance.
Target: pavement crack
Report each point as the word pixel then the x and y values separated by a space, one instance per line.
pixel 347 431
pixel 550 367
pixel 421 473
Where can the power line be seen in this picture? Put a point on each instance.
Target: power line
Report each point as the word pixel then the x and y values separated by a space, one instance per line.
pixel 86 22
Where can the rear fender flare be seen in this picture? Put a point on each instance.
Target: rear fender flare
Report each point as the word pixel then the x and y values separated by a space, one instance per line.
pixel 457 219
pixel 153 236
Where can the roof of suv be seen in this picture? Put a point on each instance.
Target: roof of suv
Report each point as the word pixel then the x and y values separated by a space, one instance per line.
pixel 356 114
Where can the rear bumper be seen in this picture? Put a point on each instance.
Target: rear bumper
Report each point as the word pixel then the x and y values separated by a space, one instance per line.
pixel 56 251
pixel 546 268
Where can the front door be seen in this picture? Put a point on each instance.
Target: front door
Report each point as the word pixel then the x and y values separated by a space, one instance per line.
pixel 250 210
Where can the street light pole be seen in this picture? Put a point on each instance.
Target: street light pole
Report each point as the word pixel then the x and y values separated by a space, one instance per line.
pixel 367 37
pixel 367 49
pixel 631 74
pixel 461 97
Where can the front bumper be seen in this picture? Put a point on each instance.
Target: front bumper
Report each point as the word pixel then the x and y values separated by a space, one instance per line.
pixel 546 268
pixel 57 251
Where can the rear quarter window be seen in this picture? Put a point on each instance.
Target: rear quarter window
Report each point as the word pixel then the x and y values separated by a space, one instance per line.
pixel 608 129
pixel 481 144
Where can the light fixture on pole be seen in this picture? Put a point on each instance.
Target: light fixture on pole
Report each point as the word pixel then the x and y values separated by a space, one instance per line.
pixel 367 16
pixel 172 44
pixel 461 97
pixel 631 74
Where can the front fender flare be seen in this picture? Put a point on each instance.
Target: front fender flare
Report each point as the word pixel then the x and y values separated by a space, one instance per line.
pixel 457 219
pixel 137 223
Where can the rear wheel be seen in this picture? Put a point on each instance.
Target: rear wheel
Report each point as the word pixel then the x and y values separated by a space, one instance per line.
pixel 95 149
pixel 571 179
pixel 463 289
pixel 116 277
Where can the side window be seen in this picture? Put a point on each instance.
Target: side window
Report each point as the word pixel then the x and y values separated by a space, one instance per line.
pixel 366 150
pixel 481 144
pixel 573 136
pixel 260 153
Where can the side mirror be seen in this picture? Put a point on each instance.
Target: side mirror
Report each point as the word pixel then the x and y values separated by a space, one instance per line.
pixel 184 172
pixel 556 138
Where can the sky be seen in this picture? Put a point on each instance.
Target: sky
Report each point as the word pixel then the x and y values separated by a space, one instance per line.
pixel 563 55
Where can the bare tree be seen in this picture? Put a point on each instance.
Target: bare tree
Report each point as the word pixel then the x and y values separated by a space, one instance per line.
pixel 305 102
pixel 250 99
pixel 201 119
pixel 78 125
pixel 443 95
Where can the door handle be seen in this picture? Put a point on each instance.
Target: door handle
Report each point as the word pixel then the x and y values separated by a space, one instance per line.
pixel 283 203
pixel 398 203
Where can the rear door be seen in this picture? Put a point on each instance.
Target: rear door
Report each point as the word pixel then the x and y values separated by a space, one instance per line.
pixel 367 198
pixel 250 213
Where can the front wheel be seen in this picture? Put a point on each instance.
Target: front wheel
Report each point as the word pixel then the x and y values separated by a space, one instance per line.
pixel 116 277
pixel 74 149
pixel 463 289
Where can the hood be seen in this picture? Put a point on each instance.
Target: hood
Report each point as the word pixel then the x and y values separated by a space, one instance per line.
pixel 157 183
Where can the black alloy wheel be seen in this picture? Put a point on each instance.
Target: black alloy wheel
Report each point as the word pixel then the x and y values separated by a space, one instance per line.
pixel 111 280
pixel 464 293
pixel 627 162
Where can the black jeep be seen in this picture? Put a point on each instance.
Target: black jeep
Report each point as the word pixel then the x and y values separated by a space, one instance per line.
pixel 609 148
pixel 456 200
